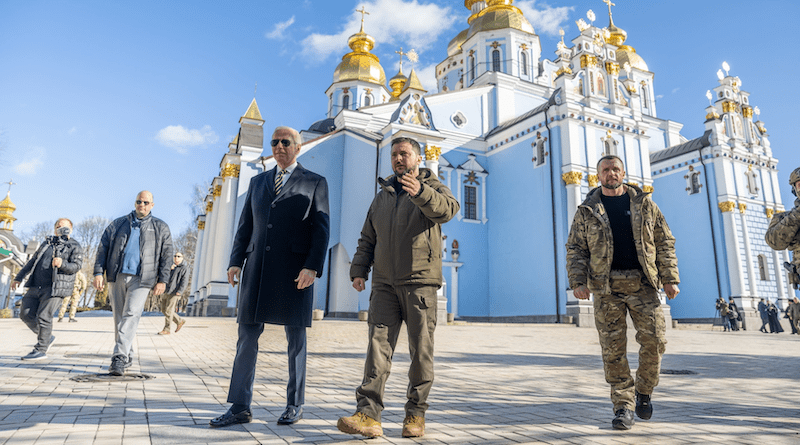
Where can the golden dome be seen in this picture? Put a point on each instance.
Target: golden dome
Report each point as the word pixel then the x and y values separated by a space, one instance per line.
pixel 454 47
pixel 397 83
pixel 6 210
pixel 499 15
pixel 625 53
pixel 360 64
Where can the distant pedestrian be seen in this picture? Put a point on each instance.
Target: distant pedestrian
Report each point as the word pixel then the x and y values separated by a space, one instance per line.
pixel 178 279
pixel 134 254
pixel 762 311
pixel 80 285
pixel 52 276
pixel 733 315
pixel 793 313
pixel 722 307
pixel 774 321
pixel 620 249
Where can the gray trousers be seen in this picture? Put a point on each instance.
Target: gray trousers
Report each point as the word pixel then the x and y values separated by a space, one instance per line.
pixel 389 307
pixel 127 302
pixel 36 311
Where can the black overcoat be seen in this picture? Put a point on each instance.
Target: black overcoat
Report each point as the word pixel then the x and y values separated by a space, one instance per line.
pixel 277 237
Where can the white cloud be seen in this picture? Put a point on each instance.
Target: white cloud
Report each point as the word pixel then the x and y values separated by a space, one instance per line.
pixel 277 33
pixel 675 90
pixel 425 24
pixel 72 131
pixel 34 161
pixel 180 138
pixel 427 77
pixel 545 19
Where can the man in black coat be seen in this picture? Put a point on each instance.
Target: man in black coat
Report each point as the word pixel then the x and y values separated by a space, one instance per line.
pixel 178 280
pixel 279 249
pixel 52 276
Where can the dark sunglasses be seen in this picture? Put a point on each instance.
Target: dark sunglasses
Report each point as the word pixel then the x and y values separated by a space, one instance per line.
pixel 147 203
pixel 284 142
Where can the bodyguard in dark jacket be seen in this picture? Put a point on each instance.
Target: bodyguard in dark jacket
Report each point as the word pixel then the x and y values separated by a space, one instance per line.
pixel 52 269
pixel 279 249
pixel 135 254
pixel 178 279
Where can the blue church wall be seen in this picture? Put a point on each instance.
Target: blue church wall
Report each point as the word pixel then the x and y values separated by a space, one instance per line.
pixel 693 245
pixel 520 240
pixel 470 107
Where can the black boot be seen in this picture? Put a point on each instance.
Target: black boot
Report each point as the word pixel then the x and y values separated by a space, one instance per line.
pixel 623 419
pixel 644 409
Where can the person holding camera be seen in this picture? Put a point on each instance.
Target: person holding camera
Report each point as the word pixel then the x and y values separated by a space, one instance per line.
pixel 52 276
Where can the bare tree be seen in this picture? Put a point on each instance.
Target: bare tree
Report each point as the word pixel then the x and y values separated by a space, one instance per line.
pixel 88 233
pixel 38 232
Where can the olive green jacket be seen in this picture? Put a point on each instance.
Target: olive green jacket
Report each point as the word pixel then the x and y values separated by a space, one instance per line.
pixel 590 245
pixel 402 237
pixel 784 231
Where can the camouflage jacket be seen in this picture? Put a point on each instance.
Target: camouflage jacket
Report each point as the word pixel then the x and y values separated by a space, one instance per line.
pixel 784 231
pixel 590 245
pixel 80 283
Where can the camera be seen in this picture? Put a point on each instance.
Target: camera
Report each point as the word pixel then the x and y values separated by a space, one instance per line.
pixel 63 231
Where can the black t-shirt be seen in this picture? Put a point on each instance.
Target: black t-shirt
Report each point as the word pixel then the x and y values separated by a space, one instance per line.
pixel 42 275
pixel 618 209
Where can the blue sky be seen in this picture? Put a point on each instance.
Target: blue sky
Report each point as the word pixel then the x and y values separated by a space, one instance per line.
pixel 99 99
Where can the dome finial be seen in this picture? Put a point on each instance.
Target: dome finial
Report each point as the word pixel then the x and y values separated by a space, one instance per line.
pixel 363 11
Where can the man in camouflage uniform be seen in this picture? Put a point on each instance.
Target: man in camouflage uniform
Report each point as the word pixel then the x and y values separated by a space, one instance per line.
pixel 784 230
pixel 80 285
pixel 621 249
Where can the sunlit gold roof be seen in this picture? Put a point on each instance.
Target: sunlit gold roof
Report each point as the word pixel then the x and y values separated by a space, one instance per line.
pixel 454 47
pixel 7 209
pixel 413 82
pixel 499 15
pixel 625 53
pixel 252 112
pixel 397 83
pixel 360 64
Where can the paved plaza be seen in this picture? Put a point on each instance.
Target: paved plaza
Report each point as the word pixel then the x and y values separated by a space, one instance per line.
pixel 495 383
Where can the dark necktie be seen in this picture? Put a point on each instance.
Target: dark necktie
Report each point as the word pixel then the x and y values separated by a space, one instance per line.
pixel 279 181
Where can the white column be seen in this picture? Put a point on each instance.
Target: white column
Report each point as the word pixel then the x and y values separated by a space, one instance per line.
pixel 211 235
pixel 779 273
pixel 454 291
pixel 748 253
pixel 198 248
pixel 226 213
pixel 573 181
pixel 732 246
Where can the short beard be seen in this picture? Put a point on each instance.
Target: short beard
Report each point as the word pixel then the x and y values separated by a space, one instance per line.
pixel 612 187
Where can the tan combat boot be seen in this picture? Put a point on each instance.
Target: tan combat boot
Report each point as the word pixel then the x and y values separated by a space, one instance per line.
pixel 414 426
pixel 360 423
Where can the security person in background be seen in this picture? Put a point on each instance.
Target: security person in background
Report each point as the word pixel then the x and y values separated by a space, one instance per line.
pixel 621 250
pixel 52 276
pixel 784 231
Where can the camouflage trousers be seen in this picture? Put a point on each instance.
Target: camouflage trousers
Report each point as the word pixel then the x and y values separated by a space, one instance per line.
pixel 648 319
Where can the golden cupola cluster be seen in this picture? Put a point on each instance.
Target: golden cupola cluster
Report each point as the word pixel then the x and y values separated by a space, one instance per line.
pixel 498 14
pixel 7 213
pixel 360 64
pixel 625 53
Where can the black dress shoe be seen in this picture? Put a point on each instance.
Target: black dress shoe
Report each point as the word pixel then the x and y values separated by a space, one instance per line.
pixel 623 419
pixel 291 415
pixel 644 409
pixel 229 418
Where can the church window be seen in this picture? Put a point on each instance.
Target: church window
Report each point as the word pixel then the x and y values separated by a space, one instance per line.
pixel 523 60
pixel 645 96
pixel 539 152
pixel 367 100
pixel 496 60
pixel 762 268
pixel 346 102
pixel 609 146
pixel 752 182
pixel 693 184
pixel 471 68
pixel 470 202
pixel 738 129
pixel 601 89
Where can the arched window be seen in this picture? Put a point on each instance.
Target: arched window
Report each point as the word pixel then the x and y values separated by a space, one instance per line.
pixel 762 268
pixel 645 96
pixel 496 60
pixel 470 202
pixel 601 88
pixel 367 100
pixel 695 185
pixel 471 68
pixel 346 102
pixel 523 61
pixel 539 153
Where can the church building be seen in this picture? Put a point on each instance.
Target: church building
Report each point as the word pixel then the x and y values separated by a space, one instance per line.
pixel 516 136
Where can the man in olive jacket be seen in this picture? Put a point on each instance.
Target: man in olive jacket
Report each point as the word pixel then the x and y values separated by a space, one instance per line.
pixel 401 242
pixel 621 249
pixel 784 230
